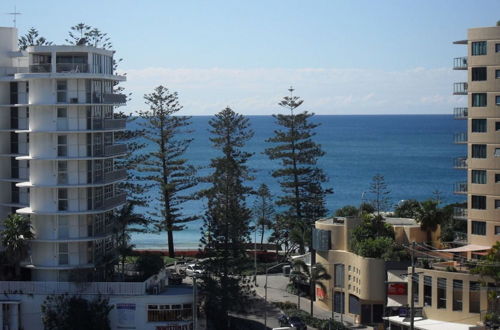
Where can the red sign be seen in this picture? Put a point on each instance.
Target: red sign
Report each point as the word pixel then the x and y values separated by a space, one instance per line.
pixel 397 289
pixel 320 293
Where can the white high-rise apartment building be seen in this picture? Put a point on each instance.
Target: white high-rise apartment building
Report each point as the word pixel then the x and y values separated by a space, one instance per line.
pixel 57 153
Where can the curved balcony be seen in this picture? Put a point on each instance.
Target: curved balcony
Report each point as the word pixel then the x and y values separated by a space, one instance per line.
pixel 71 239
pixel 67 75
pixel 107 205
pixel 460 188
pixel 460 88
pixel 460 63
pixel 460 113
pixel 97 125
pixel 107 178
pixel 114 150
pixel 460 138
pixel 460 163
pixel 460 213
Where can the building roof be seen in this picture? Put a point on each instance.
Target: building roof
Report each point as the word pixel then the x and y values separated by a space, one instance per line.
pixel 401 221
pixel 467 248
pixel 428 324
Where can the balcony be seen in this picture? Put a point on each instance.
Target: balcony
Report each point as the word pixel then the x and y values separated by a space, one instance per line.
pixel 109 124
pixel 460 138
pixel 460 213
pixel 41 68
pixel 460 63
pixel 460 188
pixel 114 176
pixel 460 163
pixel 115 150
pixel 460 113
pixel 114 98
pixel 460 88
pixel 113 202
pixel 72 68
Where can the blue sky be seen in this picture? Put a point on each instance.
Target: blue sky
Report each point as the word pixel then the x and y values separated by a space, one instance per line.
pixel 343 57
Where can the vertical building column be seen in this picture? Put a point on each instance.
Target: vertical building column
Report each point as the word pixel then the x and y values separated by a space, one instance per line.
pixel 14 316
pixel 1 316
pixel 53 61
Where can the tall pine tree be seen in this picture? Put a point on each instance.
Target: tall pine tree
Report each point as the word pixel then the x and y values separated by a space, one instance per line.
pixel 166 172
pixel 300 179
pixel 227 219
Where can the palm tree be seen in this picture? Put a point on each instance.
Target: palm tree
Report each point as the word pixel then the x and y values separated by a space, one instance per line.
pixel 303 274
pixel 429 216
pixel 127 222
pixel 15 236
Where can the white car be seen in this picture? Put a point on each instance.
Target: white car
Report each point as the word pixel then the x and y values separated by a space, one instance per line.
pixel 193 270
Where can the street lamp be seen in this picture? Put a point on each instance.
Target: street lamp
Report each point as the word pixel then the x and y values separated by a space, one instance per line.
pixel 265 291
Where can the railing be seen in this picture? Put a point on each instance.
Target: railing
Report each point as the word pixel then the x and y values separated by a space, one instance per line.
pixel 41 68
pixel 115 175
pixel 460 188
pixel 115 149
pixel 98 123
pixel 115 201
pixel 460 63
pixel 460 88
pixel 460 113
pixel 112 288
pixel 460 163
pixel 460 137
pixel 72 67
pixel 460 213
pixel 114 98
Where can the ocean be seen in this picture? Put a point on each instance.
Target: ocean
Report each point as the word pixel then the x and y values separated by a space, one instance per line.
pixel 413 152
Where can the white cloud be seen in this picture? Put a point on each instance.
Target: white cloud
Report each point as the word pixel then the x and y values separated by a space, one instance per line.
pixel 324 90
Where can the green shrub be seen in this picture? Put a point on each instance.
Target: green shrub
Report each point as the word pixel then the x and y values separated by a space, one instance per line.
pixel 149 264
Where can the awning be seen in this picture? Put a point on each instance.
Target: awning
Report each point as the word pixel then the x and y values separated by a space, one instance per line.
pixel 397 301
pixel 428 324
pixel 397 276
pixel 467 248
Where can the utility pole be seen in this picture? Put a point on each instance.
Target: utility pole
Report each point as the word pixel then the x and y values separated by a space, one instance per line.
pixel 195 304
pixel 412 300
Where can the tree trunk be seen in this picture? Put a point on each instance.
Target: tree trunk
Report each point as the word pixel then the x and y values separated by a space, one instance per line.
pixel 170 239
pixel 262 237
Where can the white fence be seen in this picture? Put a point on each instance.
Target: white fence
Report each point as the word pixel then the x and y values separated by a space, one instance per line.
pixel 105 288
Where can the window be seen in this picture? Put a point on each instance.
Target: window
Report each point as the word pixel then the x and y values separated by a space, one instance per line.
pixel 497 152
pixel 479 151
pixel 63 227
pixel 62 112
pixel 63 254
pixel 479 176
pixel 497 48
pixel 166 313
pixel 457 294
pixel 497 177
pixel 62 172
pixel 427 291
pixel 497 230
pixel 497 126
pixel 479 74
pixel 497 74
pixel 479 48
pixel 62 91
pixel 108 191
pixel 478 125
pixel 497 203
pixel 478 202
pixel 62 199
pixel 478 228
pixel 339 275
pixel 441 291
pixel 497 100
pixel 415 288
pixel 474 302
pixel 62 145
pixel 478 99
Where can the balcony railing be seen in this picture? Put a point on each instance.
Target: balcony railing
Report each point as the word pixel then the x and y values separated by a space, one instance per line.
pixel 115 150
pixel 114 201
pixel 72 67
pixel 460 63
pixel 41 68
pixel 114 98
pixel 109 123
pixel 460 113
pixel 460 163
pixel 460 188
pixel 114 176
pixel 460 137
pixel 460 213
pixel 460 88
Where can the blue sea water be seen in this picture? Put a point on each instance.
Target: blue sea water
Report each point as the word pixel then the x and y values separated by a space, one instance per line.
pixel 413 152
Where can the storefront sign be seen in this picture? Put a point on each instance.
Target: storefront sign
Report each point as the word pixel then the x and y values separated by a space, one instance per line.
pixel 397 289
pixel 320 293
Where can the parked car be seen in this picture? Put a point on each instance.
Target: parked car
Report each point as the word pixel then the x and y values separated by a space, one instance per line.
pixel 193 269
pixel 292 321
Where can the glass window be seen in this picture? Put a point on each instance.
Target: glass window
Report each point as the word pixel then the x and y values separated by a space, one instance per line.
pixel 497 203
pixel 63 226
pixel 497 48
pixel 457 294
pixel 63 254
pixel 497 126
pixel 497 100
pixel 62 88
pixel 474 302
pixel 441 291
pixel 339 275
pixel 497 177
pixel 478 228
pixel 479 125
pixel 479 48
pixel 478 202
pixel 497 74
pixel 478 99
pixel 479 74
pixel 497 152
pixel 427 291
pixel 479 176
pixel 497 230
pixel 62 145
pixel 62 172
pixel 479 151
pixel 62 113
pixel 62 196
